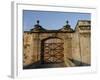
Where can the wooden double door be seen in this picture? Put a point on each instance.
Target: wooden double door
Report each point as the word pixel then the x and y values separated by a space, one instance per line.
pixel 52 51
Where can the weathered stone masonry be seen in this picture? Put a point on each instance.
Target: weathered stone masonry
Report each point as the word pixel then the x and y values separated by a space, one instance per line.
pixel 76 44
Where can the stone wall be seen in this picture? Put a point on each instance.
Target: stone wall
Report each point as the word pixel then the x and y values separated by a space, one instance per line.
pixel 76 45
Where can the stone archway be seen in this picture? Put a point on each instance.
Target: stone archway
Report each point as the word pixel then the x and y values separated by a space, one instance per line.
pixel 45 46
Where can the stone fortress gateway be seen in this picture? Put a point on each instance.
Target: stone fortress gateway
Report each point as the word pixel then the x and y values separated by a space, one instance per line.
pixel 64 47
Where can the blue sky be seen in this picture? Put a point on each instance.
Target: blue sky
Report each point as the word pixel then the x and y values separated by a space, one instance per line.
pixel 52 20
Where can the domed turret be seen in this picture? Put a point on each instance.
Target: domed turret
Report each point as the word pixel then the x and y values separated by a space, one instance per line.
pixel 37 27
pixel 67 27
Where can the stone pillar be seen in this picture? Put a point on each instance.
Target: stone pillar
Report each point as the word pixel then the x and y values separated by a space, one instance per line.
pixel 36 47
pixel 67 51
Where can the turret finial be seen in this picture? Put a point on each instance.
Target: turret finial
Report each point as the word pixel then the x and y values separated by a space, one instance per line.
pixel 67 22
pixel 38 22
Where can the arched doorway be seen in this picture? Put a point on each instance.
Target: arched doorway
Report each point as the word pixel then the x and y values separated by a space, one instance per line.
pixel 52 51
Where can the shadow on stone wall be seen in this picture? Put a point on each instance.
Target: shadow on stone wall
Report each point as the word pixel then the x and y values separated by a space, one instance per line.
pixel 79 63
pixel 38 65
